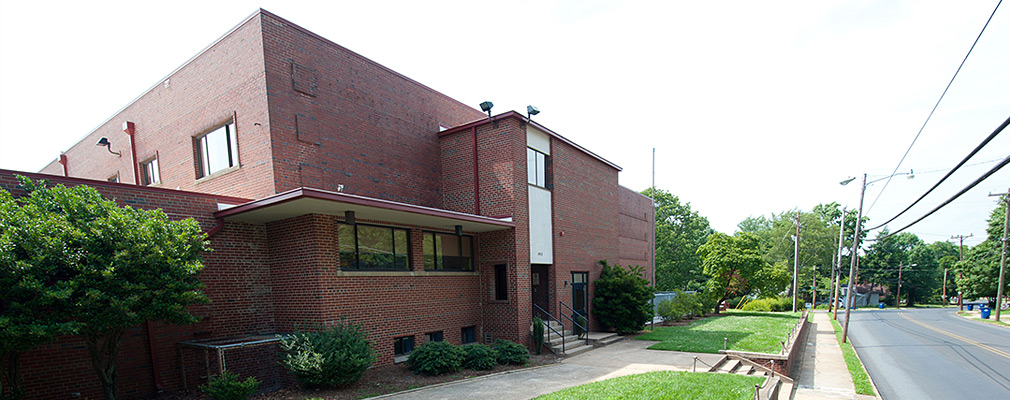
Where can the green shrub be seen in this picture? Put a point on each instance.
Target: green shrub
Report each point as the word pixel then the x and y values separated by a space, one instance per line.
pixel 479 357
pixel 579 326
pixel 538 334
pixel 622 298
pixel 667 310
pixel 769 304
pixel 227 386
pixel 329 357
pixel 508 352
pixel 436 358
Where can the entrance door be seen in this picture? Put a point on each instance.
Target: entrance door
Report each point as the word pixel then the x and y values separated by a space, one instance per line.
pixel 580 293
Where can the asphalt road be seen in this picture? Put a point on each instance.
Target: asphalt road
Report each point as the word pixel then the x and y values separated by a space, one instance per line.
pixel 932 354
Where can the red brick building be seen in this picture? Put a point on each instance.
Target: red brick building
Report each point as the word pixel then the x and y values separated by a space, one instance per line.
pixel 334 188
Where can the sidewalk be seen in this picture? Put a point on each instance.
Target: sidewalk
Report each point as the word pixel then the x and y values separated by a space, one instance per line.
pixel 822 370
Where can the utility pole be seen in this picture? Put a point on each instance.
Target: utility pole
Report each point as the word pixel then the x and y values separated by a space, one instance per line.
pixel 796 260
pixel 944 297
pixel 1002 261
pixel 852 268
pixel 960 257
pixel 897 304
pixel 652 197
pixel 838 266
pixel 813 297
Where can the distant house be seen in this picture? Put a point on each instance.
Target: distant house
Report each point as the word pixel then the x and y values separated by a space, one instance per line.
pixel 334 188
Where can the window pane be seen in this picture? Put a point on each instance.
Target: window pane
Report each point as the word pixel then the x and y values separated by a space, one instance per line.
pixel 429 250
pixel 450 251
pixel 467 259
pixel 400 242
pixel 219 149
pixel 531 166
pixel 541 169
pixel 345 237
pixel 375 247
pixel 500 282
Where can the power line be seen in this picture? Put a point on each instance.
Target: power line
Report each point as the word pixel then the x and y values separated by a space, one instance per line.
pixel 970 155
pixel 963 191
pixel 934 108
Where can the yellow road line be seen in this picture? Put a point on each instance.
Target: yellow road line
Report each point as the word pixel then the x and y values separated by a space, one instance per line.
pixel 963 339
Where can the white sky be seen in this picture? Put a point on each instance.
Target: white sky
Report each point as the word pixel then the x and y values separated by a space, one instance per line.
pixel 753 107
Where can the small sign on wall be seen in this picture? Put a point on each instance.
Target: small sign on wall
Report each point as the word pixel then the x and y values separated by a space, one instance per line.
pixel 536 278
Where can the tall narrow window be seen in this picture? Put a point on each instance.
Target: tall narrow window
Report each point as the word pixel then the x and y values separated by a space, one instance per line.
pixel 536 167
pixel 468 334
pixel 501 288
pixel 445 251
pixel 373 247
pixel 149 174
pixel 217 150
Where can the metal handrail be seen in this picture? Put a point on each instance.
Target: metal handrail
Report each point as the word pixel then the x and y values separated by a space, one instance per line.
pixel 585 329
pixel 548 326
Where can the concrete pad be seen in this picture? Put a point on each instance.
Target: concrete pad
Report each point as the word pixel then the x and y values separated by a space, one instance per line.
pixel 822 370
pixel 622 358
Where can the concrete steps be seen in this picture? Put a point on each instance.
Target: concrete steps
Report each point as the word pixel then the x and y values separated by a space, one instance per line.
pixel 775 384
pixel 572 344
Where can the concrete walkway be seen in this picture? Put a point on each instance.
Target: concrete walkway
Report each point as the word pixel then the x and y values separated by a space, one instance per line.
pixel 822 373
pixel 626 357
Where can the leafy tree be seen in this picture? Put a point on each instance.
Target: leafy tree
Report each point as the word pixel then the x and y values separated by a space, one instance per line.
pixel 121 267
pixel 31 254
pixel 978 273
pixel 621 299
pixel 679 233
pixel 732 263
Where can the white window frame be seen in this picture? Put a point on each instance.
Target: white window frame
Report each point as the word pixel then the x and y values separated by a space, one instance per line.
pixel 536 167
pixel 149 171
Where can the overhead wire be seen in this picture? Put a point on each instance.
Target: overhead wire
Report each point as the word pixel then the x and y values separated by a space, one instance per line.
pixel 970 155
pixel 934 108
pixel 945 203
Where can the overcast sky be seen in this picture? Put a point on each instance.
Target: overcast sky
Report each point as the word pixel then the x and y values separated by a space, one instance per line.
pixel 753 107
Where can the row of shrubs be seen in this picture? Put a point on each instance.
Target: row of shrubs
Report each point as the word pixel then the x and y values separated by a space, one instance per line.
pixel 338 356
pixel 435 358
pixel 769 304
pixel 684 305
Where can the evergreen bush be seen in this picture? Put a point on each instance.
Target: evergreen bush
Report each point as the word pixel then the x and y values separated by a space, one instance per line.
pixel 538 334
pixel 227 386
pixel 436 358
pixel 622 299
pixel 479 357
pixel 508 352
pixel 328 357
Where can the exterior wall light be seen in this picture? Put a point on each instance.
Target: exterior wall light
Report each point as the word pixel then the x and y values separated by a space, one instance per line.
pixel 486 107
pixel 104 142
pixel 531 111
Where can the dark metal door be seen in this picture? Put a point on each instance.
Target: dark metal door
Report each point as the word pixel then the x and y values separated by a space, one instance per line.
pixel 580 292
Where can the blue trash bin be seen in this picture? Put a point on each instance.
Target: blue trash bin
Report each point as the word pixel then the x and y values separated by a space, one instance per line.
pixel 971 307
pixel 985 312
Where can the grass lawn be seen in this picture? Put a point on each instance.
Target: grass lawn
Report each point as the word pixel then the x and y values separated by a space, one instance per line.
pixel 665 385
pixel 856 370
pixel 992 318
pixel 747 331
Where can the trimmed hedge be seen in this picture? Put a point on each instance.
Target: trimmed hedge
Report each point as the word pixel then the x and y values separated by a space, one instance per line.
pixel 329 357
pixel 508 352
pixel 479 357
pixel 435 358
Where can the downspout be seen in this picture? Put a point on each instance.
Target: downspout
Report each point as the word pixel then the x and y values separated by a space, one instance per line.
pixel 476 176
pixel 63 161
pixel 130 130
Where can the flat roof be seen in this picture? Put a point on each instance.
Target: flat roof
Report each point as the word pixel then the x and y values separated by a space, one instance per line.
pixel 302 201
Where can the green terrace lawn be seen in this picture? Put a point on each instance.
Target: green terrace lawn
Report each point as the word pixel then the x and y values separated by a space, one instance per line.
pixel 747 331
pixel 665 385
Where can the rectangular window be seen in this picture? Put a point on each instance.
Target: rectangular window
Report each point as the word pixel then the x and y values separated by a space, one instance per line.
pixel 403 345
pixel 536 167
pixel 447 252
pixel 373 247
pixel 500 283
pixel 433 337
pixel 114 178
pixel 468 334
pixel 217 150
pixel 149 173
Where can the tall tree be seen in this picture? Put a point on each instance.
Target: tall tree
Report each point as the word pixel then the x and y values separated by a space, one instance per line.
pixel 123 266
pixel 978 273
pixel 733 264
pixel 679 232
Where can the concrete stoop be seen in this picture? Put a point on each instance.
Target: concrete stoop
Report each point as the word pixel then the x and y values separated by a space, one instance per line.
pixel 572 344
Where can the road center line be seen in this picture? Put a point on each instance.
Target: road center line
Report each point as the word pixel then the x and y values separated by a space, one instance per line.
pixel 963 339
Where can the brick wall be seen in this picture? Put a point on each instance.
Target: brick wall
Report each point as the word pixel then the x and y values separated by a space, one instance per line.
pixel 224 82
pixel 338 118
pixel 635 230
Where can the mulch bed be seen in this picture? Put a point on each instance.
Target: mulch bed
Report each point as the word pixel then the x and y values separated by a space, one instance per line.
pixel 377 381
